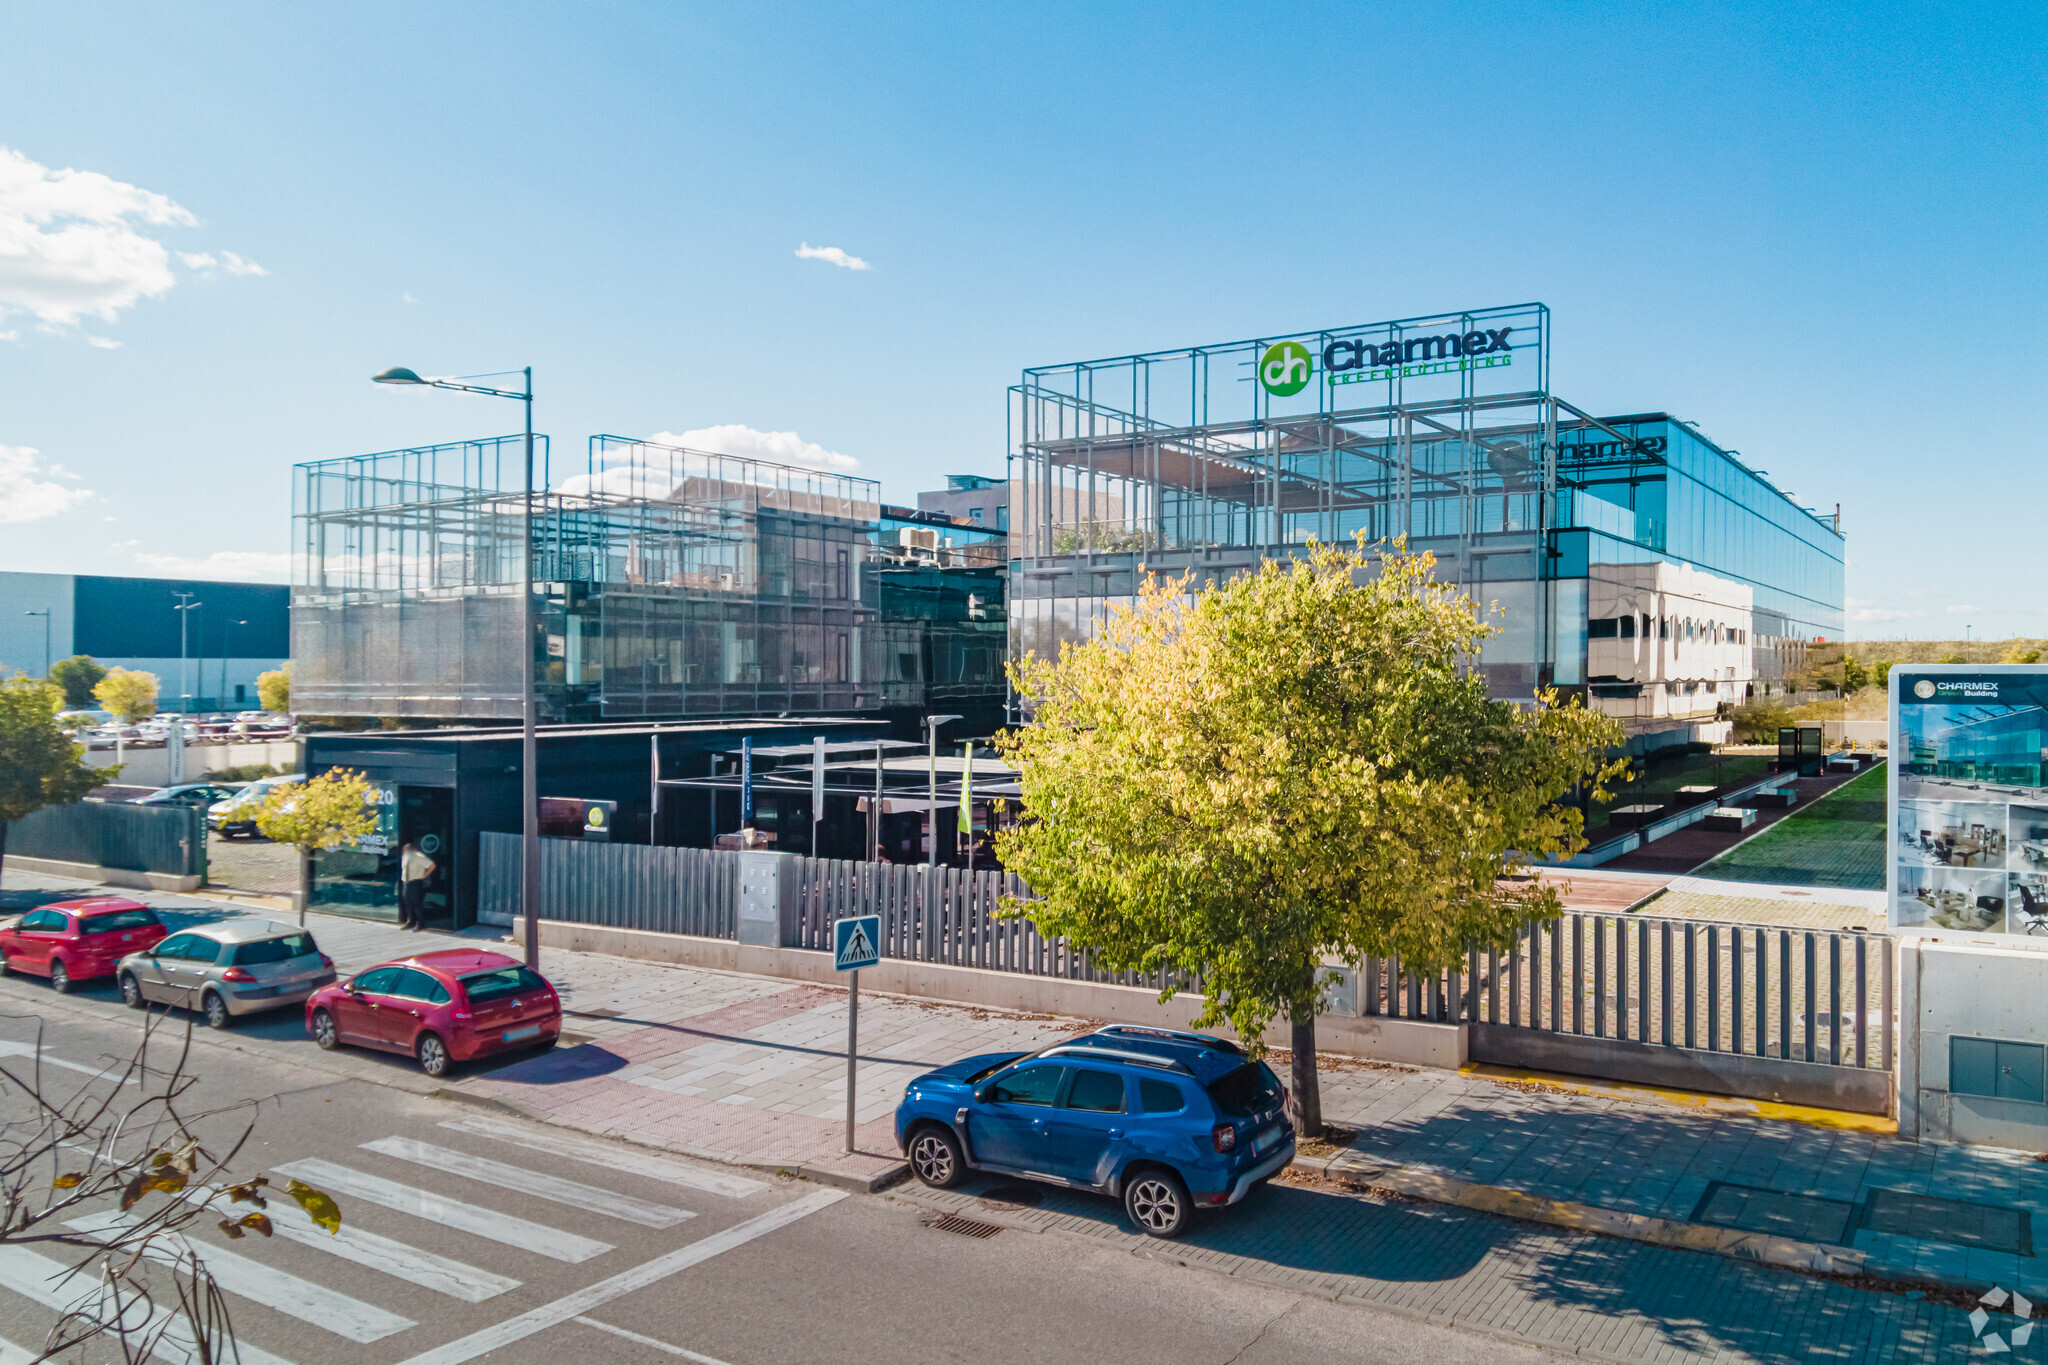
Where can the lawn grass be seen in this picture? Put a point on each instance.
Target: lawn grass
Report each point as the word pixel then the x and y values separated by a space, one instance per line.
pixel 1837 841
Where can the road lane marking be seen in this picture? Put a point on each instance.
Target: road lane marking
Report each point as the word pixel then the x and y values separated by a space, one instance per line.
pixel 488 1224
pixel 423 1268
pixel 575 1305
pixel 38 1278
pixel 553 1188
pixel 644 1341
pixel 29 1050
pixel 328 1309
pixel 10 1354
pixel 605 1154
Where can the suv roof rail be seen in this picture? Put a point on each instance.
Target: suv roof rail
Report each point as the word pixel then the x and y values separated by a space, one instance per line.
pixel 1141 1058
pixel 1147 1031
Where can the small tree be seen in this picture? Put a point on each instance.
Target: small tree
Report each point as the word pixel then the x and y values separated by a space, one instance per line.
pixel 274 689
pixel 313 816
pixel 129 693
pixel 1294 769
pixel 78 676
pixel 39 765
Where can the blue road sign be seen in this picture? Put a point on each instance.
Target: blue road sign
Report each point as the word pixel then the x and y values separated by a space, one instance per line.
pixel 856 943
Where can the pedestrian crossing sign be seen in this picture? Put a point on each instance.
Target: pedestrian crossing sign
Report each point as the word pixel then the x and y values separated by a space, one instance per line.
pixel 856 943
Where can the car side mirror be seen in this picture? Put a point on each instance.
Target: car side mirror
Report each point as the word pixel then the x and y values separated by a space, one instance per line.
pixel 984 1094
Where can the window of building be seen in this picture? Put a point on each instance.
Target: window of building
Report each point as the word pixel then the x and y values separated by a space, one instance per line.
pixel 1603 629
pixel 1628 627
pixel 974 515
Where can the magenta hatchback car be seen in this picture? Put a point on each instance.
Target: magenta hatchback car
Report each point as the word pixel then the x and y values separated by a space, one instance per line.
pixel 439 1008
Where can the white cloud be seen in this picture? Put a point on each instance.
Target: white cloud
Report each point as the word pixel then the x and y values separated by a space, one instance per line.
pixel 227 262
pixel 1870 612
pixel 776 447
pixel 1962 610
pixel 655 468
pixel 71 248
pixel 123 544
pixel 28 487
pixel 250 565
pixel 407 298
pixel 103 343
pixel 832 254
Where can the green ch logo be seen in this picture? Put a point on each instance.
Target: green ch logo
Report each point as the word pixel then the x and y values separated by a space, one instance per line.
pixel 1285 368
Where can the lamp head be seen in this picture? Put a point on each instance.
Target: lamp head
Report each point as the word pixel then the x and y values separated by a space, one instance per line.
pixel 397 374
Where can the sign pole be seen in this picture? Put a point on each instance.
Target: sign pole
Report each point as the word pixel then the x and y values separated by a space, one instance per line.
pixel 852 1048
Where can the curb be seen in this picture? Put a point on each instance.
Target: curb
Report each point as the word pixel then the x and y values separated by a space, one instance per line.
pixel 1785 1252
pixel 890 1175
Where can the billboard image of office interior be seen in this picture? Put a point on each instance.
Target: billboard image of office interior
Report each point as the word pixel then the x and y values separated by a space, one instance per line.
pixel 1969 804
pixel 1571 527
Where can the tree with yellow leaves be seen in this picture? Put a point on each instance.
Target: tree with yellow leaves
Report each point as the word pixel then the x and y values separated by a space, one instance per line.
pixel 1300 766
pixel 129 693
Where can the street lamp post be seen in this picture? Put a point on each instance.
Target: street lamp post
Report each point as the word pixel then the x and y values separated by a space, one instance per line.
pixel 529 780
pixel 184 610
pixel 46 639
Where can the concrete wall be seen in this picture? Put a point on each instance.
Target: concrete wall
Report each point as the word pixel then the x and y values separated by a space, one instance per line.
pixel 1971 989
pixel 1342 1031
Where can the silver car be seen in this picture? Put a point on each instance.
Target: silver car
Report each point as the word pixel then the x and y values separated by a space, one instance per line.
pixel 222 970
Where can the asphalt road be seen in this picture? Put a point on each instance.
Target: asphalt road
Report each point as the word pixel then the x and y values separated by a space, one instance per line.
pixel 473 1236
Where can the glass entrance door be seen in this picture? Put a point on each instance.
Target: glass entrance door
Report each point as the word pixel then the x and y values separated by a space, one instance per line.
pixel 426 819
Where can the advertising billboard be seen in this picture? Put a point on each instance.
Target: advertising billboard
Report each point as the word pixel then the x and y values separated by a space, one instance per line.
pixel 1968 832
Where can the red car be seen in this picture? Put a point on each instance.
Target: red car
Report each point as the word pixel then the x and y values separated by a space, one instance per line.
pixel 449 1006
pixel 79 940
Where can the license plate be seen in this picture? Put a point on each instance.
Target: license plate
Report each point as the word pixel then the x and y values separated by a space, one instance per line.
pixel 1267 1141
pixel 513 1035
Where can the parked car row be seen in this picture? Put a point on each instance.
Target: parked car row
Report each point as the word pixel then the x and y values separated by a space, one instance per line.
pixel 453 1005
pixel 99 730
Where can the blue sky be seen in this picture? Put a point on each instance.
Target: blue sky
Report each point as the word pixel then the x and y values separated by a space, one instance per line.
pixel 1816 230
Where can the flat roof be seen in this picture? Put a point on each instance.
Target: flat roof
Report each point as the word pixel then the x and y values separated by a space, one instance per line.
pixel 466 734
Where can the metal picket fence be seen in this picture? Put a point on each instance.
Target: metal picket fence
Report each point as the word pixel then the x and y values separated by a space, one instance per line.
pixel 1806 995
pixel 944 915
pixel 621 886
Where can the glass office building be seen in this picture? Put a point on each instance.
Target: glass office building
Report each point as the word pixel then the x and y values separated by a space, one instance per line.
pixel 1630 558
pixel 668 583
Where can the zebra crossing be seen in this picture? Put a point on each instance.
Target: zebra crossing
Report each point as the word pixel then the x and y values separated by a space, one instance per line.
pixel 248 1274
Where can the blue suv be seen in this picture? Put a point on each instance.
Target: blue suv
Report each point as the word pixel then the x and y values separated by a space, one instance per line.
pixel 1169 1122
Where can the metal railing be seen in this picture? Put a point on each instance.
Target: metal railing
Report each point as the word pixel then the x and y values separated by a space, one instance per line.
pixel 112 834
pixel 944 915
pixel 620 886
pixel 1806 995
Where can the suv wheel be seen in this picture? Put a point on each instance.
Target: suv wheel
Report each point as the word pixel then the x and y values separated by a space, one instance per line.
pixel 131 991
pixel 60 976
pixel 216 1010
pixel 433 1054
pixel 935 1158
pixel 1158 1202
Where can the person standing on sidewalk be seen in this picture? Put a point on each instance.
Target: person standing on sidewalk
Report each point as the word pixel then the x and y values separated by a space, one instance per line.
pixel 414 867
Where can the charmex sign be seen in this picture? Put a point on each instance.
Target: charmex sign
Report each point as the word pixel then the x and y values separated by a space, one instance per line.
pixel 1357 361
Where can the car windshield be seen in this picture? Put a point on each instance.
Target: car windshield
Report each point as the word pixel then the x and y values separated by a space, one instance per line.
pixel 1249 1090
pixel 119 920
pixel 497 984
pixel 275 950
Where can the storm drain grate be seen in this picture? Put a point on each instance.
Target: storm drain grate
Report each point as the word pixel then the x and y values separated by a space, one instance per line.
pixel 1748 1208
pixel 1955 1222
pixel 966 1227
